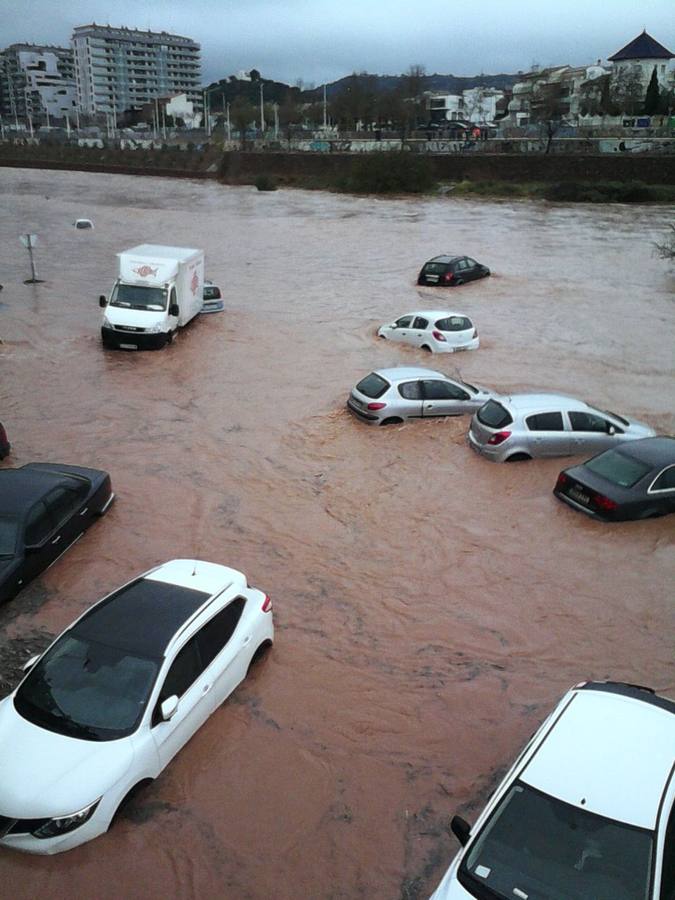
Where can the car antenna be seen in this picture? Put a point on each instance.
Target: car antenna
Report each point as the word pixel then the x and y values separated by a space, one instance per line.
pixel 194 569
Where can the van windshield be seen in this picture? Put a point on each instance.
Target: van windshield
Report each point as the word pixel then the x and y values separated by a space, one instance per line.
pixel 138 296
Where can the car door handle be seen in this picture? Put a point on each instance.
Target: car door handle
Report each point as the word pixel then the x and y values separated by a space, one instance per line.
pixel 56 540
pixel 206 689
pixel 85 510
pixel 247 640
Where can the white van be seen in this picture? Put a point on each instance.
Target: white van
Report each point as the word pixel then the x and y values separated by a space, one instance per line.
pixel 158 290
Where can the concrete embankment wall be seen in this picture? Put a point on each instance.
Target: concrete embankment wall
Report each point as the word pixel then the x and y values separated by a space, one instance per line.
pixel 289 167
pixel 657 169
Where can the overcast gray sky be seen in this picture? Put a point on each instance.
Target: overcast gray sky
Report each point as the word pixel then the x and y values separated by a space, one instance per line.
pixel 322 40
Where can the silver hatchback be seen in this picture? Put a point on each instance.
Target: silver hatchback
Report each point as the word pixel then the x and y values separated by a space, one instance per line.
pixel 389 396
pixel 524 426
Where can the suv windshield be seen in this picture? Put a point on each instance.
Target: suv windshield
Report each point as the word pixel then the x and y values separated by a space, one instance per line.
pixel 537 846
pixel 87 690
pixel 9 529
pixel 617 468
pixel 372 386
pixel 138 296
pixel 493 415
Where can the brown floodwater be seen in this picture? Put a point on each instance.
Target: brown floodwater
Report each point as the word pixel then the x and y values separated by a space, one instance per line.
pixel 430 606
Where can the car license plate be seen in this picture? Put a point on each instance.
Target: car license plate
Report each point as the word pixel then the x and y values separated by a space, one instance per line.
pixel 129 346
pixel 580 496
pixel 432 277
pixel 357 403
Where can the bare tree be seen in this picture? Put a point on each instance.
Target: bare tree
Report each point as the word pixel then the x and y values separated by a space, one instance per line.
pixel 666 250
pixel 547 108
pixel 242 114
pixel 627 91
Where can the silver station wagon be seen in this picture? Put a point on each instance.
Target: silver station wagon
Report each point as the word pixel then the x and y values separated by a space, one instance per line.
pixel 389 396
pixel 524 426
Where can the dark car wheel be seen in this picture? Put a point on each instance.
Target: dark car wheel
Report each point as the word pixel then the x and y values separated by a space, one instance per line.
pixel 486 272
pixel 458 281
pixel 518 457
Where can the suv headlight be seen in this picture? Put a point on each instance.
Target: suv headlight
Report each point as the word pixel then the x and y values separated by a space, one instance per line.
pixel 63 824
pixel 106 322
pixel 154 329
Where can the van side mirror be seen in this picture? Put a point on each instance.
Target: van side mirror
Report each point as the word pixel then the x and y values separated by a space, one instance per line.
pixel 169 707
pixel 461 829
pixel 174 310
pixel 27 666
pixel 102 301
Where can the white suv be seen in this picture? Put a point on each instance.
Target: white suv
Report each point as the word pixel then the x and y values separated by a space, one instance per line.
pixel 587 811
pixel 118 694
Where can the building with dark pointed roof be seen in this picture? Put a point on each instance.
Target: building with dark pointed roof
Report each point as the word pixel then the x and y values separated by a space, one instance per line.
pixel 642 47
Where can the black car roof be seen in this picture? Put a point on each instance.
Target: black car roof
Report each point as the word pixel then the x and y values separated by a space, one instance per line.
pixel 141 617
pixel 655 451
pixel 444 258
pixel 21 488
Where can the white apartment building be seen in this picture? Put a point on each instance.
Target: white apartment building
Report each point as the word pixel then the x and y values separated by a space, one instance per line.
pixel 477 105
pixel 37 82
pixel 117 69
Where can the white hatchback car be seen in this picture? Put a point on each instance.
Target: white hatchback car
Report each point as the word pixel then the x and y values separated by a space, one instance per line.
pixel 587 811
pixel 118 694
pixel 436 330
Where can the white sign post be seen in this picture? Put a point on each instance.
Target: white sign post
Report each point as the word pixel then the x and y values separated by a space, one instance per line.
pixel 29 241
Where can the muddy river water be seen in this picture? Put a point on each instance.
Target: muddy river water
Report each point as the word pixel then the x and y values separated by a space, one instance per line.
pixel 430 606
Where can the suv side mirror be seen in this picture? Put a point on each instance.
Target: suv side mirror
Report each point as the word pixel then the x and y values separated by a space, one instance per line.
pixel 102 301
pixel 174 310
pixel 27 666
pixel 169 707
pixel 461 829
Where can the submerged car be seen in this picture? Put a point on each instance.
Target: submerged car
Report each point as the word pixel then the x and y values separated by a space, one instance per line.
pixel 213 299
pixel 439 331
pixel 451 271
pixel 635 480
pixel 44 509
pixel 389 396
pixel 524 426
pixel 5 446
pixel 118 694
pixel 587 811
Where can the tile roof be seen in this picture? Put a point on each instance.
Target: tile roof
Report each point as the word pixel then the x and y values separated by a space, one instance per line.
pixel 642 47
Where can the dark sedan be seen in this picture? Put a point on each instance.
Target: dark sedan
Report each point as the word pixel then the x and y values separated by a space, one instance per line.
pixel 635 480
pixel 44 508
pixel 451 271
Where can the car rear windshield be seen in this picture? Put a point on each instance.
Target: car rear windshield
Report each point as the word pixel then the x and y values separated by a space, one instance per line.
pixel 494 415
pixel 372 386
pixel 435 268
pixel 454 323
pixel 618 468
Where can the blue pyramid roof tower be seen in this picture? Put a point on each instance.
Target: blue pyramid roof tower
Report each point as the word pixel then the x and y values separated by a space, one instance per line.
pixel 642 47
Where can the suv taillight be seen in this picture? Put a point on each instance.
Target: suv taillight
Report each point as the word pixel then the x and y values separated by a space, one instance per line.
pixel 499 438
pixel 376 405
pixel 439 335
pixel 604 503
pixel 448 276
pixel 561 482
pixel 267 604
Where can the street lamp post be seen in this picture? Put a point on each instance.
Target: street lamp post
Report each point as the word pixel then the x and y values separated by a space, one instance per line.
pixel 262 112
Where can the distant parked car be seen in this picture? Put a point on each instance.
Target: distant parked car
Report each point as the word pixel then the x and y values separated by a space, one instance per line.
pixel 635 480
pixel 389 396
pixel 439 331
pixel 213 299
pixel 83 223
pixel 117 695
pixel 451 271
pixel 587 811
pixel 524 426
pixel 44 508
pixel 5 446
